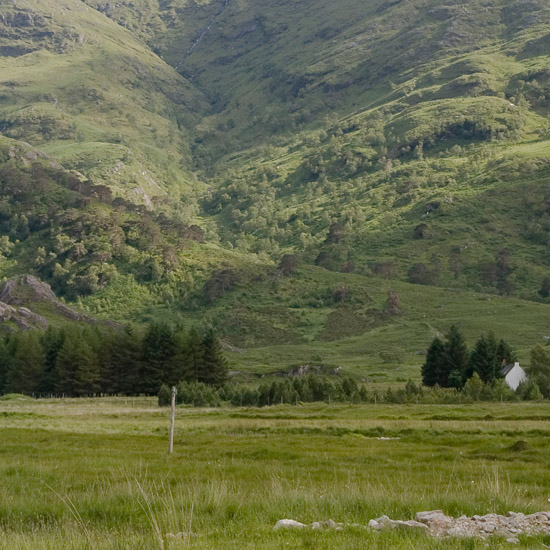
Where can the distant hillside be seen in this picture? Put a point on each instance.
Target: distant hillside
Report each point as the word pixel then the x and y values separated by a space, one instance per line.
pixel 160 158
pixel 88 93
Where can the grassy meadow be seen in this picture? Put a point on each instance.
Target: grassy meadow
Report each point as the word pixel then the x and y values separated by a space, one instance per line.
pixel 96 473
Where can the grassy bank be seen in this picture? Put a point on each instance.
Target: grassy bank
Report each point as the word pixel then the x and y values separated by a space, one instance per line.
pixel 96 474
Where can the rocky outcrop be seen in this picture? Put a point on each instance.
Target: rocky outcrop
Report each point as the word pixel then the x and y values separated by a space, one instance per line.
pixel 26 289
pixel 32 317
pixel 18 295
pixel 6 312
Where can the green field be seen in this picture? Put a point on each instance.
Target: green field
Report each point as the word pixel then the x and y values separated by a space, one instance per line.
pixel 96 473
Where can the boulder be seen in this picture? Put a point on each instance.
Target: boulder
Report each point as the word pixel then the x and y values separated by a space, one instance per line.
pixel 289 524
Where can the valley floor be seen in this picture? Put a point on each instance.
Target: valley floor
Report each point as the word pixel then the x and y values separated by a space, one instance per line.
pixel 96 473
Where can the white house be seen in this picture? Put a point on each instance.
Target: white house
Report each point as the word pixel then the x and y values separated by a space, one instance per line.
pixel 514 375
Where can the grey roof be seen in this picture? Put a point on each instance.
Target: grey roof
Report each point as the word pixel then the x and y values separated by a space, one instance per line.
pixel 505 369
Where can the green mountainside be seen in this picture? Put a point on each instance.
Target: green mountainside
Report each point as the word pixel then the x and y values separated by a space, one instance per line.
pixel 159 159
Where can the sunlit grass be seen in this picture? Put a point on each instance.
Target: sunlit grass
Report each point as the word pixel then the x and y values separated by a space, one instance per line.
pixel 96 473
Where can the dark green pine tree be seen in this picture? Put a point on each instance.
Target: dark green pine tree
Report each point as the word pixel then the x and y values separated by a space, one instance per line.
pixel 159 352
pixel 52 341
pixel 193 356
pixel 455 360
pixel 6 359
pixel 505 354
pixel 214 370
pixel 434 363
pixel 77 366
pixel 27 367
pixel 120 358
pixel 483 359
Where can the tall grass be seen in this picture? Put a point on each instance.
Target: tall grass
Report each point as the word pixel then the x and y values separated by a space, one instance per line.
pixel 230 479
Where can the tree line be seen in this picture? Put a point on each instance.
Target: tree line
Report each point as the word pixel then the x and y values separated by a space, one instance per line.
pixel 314 388
pixel 89 361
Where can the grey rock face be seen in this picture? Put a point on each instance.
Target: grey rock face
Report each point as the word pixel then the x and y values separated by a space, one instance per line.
pixel 26 289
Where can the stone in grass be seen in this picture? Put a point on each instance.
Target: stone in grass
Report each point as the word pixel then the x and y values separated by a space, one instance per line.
pixel 289 524
pixel 329 524
pixel 179 535
pixel 385 524
pixel 438 523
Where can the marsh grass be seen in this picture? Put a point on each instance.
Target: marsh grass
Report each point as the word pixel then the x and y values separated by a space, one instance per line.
pixel 96 474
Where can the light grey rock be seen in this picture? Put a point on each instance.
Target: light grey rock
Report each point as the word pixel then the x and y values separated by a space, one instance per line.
pixel 6 312
pixel 329 524
pixel 428 517
pixel 384 523
pixel 25 289
pixel 34 317
pixel 289 524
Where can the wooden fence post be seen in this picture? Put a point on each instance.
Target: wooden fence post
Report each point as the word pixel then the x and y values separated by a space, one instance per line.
pixel 173 419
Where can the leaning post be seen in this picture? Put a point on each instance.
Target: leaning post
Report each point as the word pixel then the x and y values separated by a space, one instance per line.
pixel 173 419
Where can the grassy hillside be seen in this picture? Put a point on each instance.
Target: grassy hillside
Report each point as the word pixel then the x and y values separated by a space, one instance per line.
pixel 87 92
pixel 179 149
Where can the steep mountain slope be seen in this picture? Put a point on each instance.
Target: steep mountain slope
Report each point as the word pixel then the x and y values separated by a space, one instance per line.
pixel 395 120
pixel 86 92
pixel 421 129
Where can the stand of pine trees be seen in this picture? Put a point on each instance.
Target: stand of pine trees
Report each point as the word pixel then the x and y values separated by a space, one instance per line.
pixel 89 361
pixel 449 364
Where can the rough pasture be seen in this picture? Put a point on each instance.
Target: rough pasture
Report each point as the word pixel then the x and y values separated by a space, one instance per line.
pixel 96 473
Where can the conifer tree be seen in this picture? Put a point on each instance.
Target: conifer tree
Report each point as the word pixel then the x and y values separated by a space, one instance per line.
pixel 27 367
pixel 159 351
pixel 193 356
pixel 433 365
pixel 77 367
pixel 505 354
pixel 214 368
pixel 52 341
pixel 120 361
pixel 484 360
pixel 455 357
pixel 5 364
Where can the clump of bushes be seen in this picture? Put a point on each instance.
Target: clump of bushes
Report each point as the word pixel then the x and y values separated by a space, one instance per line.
pixel 293 390
pixel 197 394
pixel 315 388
